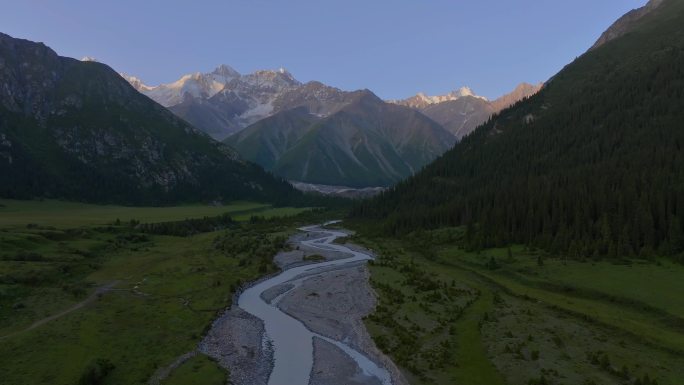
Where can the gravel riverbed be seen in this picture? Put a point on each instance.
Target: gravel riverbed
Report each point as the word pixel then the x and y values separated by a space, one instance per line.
pixel 330 302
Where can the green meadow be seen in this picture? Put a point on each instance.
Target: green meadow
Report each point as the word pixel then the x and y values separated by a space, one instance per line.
pixel 84 297
pixel 199 369
pixel 72 214
pixel 447 315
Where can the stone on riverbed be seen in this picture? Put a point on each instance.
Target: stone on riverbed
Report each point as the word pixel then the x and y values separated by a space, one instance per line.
pixel 236 342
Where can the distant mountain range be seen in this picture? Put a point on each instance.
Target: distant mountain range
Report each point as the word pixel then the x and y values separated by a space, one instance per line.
pixel 271 118
pixel 223 102
pixel 421 100
pixel 462 111
pixel 76 130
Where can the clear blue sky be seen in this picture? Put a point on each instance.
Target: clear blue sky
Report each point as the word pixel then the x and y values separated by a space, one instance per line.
pixel 393 47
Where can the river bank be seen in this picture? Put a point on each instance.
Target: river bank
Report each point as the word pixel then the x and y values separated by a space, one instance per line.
pixel 333 304
pixel 323 303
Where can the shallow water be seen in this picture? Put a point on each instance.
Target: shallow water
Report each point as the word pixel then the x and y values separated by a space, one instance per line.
pixel 292 341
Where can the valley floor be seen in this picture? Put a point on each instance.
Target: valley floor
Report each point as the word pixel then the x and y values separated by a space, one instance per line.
pixel 88 295
pixel 95 296
pixel 448 316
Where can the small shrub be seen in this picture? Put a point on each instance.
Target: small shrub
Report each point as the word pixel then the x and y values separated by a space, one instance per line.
pixel 558 341
pixel 96 372
pixel 492 264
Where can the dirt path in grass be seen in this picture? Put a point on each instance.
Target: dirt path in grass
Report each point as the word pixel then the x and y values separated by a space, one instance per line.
pixel 99 291
pixel 475 367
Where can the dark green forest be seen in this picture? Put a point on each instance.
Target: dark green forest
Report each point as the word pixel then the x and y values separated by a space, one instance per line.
pixel 591 167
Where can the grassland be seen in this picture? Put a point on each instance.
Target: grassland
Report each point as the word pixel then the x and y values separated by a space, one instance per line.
pixel 524 317
pixel 199 370
pixel 62 214
pixel 618 280
pixel 636 298
pixel 152 296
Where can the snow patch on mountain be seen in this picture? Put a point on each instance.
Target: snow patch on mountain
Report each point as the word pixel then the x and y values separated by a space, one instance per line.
pixel 461 111
pixel 136 83
pixel 259 88
pixel 421 100
pixel 196 85
pixel 258 112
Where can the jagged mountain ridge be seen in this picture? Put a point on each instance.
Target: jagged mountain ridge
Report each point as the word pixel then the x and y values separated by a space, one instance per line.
pixel 462 111
pixel 223 101
pixel 76 130
pixel 195 85
pixel 421 100
pixel 280 116
pixel 285 115
pixel 626 23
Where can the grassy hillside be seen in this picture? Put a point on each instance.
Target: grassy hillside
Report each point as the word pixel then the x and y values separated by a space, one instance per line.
pixel 589 167
pixel 366 143
pixel 87 295
pixel 267 140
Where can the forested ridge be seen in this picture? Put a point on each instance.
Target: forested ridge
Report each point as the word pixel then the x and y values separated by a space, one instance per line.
pixel 591 166
pixel 78 131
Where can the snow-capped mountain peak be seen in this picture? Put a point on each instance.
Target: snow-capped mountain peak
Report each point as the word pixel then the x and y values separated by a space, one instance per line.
pixel 421 100
pixel 226 71
pixel 234 100
pixel 195 85
pixel 279 78
pixel 136 83
pixel 464 91
pixel 261 85
pixel 461 111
